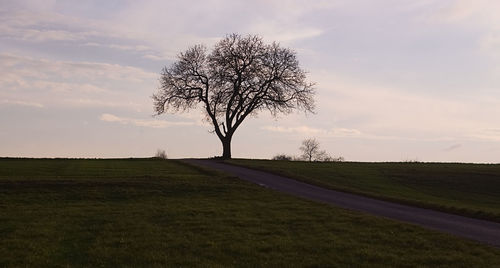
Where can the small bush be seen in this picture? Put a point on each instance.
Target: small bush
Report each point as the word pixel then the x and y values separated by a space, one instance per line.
pixel 161 154
pixel 283 157
pixel 333 159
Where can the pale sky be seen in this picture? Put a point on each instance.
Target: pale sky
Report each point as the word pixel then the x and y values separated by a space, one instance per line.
pixel 396 80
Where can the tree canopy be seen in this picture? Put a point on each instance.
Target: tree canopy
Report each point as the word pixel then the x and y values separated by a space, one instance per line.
pixel 239 77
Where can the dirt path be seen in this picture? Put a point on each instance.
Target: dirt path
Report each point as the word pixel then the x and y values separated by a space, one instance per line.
pixel 479 230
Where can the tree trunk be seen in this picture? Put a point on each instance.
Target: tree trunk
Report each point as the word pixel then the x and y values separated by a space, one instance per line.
pixel 226 148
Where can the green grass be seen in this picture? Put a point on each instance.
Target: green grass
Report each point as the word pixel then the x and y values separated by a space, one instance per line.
pixel 146 212
pixel 466 189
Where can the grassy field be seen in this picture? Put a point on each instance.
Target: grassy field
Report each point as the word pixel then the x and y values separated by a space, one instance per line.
pixel 147 212
pixel 466 189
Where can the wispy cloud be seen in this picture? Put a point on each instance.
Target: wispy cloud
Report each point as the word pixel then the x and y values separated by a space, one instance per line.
pixel 478 12
pixel 377 109
pixel 157 57
pixel 310 131
pixel 75 83
pixel 277 32
pixel 94 103
pixel 50 26
pixel 23 66
pixel 452 147
pixel 142 122
pixel 480 16
pixel 284 23
pixel 22 103
pixel 120 47
pixel 491 134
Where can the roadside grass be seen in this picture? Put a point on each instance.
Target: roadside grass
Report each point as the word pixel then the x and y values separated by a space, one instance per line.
pixel 467 189
pixel 147 212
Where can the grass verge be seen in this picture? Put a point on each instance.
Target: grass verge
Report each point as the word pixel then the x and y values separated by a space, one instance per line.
pixel 466 189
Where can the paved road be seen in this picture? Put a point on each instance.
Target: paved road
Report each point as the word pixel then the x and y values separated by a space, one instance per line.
pixel 480 230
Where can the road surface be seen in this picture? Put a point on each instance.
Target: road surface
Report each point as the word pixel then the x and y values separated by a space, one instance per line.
pixel 479 230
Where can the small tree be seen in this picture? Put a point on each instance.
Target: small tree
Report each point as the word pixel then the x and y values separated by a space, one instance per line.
pixel 310 149
pixel 241 76
pixel 161 154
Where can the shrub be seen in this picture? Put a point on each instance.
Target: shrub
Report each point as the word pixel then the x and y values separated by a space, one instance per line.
pixel 333 159
pixel 161 154
pixel 283 157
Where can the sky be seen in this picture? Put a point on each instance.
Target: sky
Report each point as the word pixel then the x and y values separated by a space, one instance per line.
pixel 396 80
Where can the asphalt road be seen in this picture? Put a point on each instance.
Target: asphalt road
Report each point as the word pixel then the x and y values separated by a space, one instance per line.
pixel 479 230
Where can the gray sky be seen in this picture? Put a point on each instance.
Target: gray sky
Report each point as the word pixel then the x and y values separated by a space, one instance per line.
pixel 396 80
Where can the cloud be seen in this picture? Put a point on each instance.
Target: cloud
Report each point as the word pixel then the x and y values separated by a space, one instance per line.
pixel 44 26
pixel 479 12
pixel 386 110
pixel 93 103
pixel 111 118
pixel 310 131
pixel 23 66
pixel 60 87
pixel 480 16
pixel 453 147
pixel 156 57
pixel 491 134
pixel 305 131
pixel 141 122
pixel 22 103
pixel 490 44
pixel 284 23
pixel 42 35
pixel 137 48
pixel 281 33
pixel 301 130
pixel 49 25
pixel 72 84
pixel 146 27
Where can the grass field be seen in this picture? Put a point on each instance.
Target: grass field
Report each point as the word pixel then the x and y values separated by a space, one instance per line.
pixel 147 212
pixel 466 189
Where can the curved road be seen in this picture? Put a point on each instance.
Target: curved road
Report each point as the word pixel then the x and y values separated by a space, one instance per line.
pixel 479 230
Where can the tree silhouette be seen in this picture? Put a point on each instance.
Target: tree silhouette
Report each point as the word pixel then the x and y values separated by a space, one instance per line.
pixel 239 77
pixel 310 149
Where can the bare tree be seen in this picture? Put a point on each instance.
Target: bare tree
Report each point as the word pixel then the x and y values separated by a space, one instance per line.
pixel 239 77
pixel 161 154
pixel 311 152
pixel 310 149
